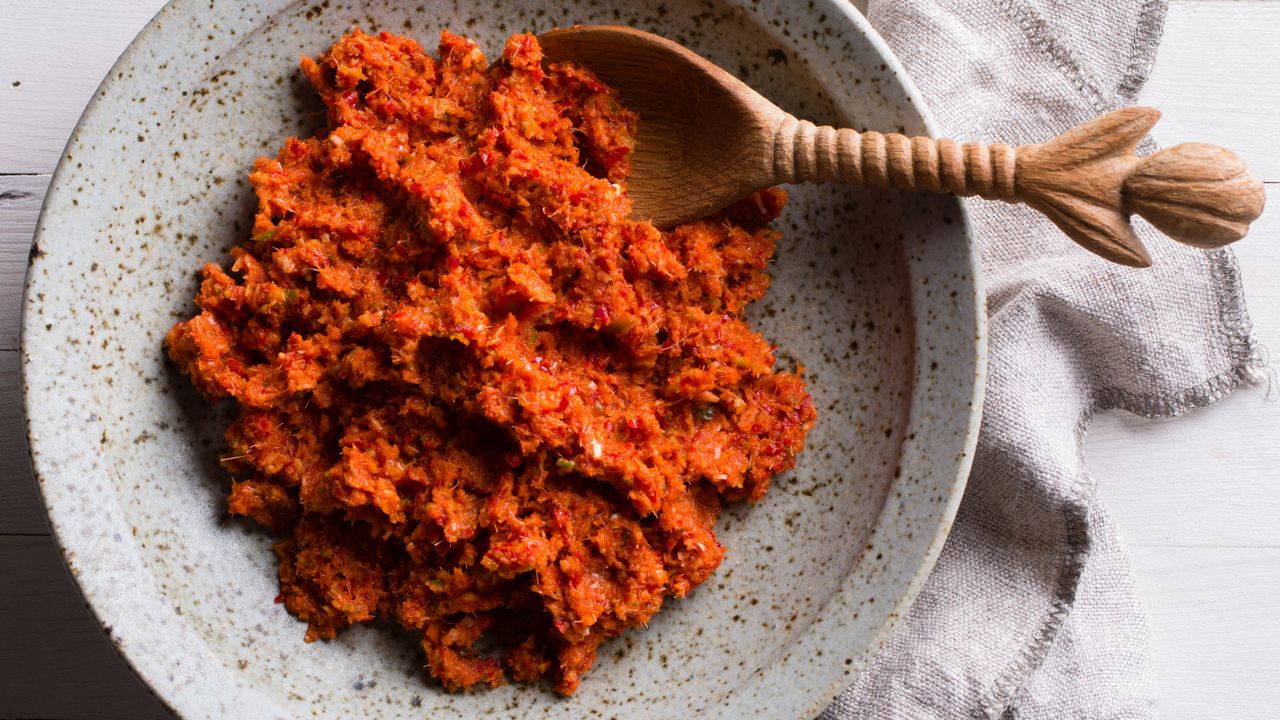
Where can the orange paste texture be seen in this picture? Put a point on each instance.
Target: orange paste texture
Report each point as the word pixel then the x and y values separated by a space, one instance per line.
pixel 473 396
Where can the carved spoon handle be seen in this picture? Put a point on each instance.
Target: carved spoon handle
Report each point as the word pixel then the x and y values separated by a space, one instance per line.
pixel 1087 180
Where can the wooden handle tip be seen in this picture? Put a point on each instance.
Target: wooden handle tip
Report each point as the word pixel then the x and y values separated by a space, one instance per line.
pixel 1198 194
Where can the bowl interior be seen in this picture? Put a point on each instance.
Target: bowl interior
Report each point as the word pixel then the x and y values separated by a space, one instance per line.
pixel 155 184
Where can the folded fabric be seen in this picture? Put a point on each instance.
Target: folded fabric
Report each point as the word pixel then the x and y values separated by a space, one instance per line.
pixel 1031 610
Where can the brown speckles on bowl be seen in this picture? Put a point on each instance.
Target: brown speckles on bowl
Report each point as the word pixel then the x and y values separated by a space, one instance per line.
pixel 874 294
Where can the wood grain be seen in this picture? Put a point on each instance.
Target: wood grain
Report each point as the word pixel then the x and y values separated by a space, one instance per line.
pixel 20 199
pixel 1215 79
pixel 54 660
pixel 21 511
pixel 1198 481
pixel 1213 629
pixel 1197 498
pixel 53 56
pixel 720 141
pixel 1088 180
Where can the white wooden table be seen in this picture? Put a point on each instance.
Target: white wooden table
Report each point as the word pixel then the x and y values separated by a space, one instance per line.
pixel 1197 498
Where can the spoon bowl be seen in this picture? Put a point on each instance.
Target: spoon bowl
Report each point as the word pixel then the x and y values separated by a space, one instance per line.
pixel 698 142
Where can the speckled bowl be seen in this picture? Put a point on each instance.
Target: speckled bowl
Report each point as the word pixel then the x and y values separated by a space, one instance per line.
pixel 876 294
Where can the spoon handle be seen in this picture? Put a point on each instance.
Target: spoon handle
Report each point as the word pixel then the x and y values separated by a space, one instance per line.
pixel 1087 180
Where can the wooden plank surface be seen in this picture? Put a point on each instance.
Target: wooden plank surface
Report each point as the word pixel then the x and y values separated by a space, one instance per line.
pixel 1213 617
pixel 21 512
pixel 20 198
pixel 54 661
pixel 1196 498
pixel 52 57
pixel 1216 78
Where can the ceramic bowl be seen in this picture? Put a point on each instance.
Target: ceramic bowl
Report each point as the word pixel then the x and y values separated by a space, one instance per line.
pixel 875 294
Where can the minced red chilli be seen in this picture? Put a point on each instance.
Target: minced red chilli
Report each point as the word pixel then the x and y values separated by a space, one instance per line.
pixel 474 397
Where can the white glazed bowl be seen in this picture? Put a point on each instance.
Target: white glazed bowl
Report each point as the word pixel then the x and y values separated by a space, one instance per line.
pixel 875 294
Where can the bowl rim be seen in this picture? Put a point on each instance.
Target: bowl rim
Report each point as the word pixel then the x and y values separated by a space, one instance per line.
pixel 926 550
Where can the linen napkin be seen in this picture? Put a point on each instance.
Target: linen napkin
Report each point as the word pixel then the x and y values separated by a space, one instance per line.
pixel 1031 611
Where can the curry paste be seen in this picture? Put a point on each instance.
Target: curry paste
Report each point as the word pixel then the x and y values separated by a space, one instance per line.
pixel 474 397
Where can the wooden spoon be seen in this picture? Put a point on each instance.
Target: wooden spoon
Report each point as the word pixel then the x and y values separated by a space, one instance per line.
pixel 705 140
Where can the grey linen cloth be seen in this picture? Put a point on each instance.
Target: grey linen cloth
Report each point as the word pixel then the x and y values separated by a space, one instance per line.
pixel 1031 611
